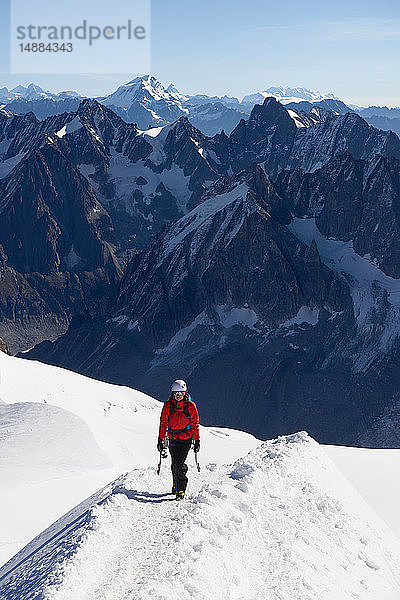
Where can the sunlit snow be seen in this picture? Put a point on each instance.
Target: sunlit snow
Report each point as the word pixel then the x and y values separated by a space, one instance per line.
pixel 280 522
pixel 63 436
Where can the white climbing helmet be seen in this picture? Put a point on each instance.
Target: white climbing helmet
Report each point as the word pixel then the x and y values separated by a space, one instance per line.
pixel 179 386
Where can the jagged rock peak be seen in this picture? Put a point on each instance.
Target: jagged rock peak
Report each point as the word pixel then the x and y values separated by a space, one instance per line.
pixel 90 110
pixel 183 128
pixel 183 124
pixel 313 254
pixel 269 110
pixel 91 107
pixel 90 104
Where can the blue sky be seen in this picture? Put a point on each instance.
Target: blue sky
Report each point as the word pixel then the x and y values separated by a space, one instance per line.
pixel 350 48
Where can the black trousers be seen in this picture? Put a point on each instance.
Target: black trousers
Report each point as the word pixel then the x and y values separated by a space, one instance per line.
pixel 179 450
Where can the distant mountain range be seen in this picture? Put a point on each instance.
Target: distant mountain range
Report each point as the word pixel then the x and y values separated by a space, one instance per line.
pixel 262 265
pixel 33 92
pixel 22 100
pixel 148 103
pixel 286 95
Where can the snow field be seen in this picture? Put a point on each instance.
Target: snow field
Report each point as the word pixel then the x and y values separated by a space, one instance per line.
pixel 63 436
pixel 374 473
pixel 280 524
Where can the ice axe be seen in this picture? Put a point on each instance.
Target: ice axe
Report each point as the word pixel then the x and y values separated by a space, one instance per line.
pixel 163 454
pixel 197 462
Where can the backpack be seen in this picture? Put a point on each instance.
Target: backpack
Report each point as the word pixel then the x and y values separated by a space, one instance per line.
pixel 185 410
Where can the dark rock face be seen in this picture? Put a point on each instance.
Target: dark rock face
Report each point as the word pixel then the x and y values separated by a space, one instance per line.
pixel 267 136
pixel 336 134
pixel 380 117
pixel 52 219
pixel 141 180
pixel 71 202
pixel 271 137
pixel 241 234
pixel 181 147
pixel 11 124
pixel 28 133
pixel 351 200
pixel 59 241
pixel 31 310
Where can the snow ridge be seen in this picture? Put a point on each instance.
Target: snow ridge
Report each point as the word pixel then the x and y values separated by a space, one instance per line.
pixel 281 522
pixel 63 436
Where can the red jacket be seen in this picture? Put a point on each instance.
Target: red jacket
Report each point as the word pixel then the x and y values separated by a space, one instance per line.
pixel 178 420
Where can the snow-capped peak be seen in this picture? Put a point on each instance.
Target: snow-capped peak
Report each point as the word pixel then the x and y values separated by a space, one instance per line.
pixel 287 94
pixel 141 88
pixel 149 83
pixel 301 93
pixel 33 92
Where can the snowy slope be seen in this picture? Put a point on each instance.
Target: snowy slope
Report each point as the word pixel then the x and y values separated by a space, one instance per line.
pixel 374 475
pixel 279 524
pixel 63 436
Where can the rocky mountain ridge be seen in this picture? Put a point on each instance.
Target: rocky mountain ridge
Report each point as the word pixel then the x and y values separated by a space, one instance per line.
pixel 126 184
pixel 144 179
pixel 262 265
pixel 272 328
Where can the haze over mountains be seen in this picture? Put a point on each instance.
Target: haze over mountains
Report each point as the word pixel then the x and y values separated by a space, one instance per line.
pixel 263 265
pixel 148 103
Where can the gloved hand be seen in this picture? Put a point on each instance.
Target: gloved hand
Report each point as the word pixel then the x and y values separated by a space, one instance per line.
pixel 196 446
pixel 160 445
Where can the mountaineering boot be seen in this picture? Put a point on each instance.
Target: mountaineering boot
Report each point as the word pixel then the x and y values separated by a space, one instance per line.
pixel 180 495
